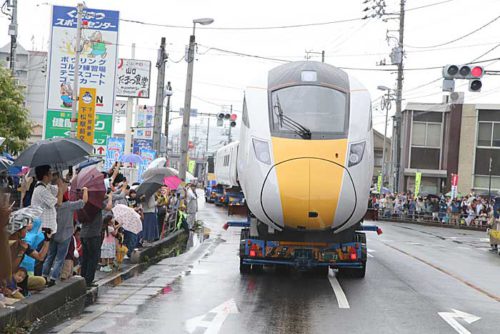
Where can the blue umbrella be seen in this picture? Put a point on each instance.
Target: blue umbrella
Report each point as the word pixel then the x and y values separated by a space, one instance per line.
pixel 131 158
pixel 88 162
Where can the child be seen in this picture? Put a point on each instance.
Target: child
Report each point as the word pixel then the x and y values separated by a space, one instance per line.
pixel 121 250
pixel 108 248
pixel 13 290
pixel 72 257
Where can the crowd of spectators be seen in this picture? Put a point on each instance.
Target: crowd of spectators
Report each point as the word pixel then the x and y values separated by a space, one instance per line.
pixel 44 241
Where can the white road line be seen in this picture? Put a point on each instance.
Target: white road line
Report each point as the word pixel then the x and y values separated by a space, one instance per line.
pixel 337 289
pixel 371 250
pixel 369 255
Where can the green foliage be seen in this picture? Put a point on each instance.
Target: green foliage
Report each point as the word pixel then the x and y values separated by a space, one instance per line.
pixel 15 125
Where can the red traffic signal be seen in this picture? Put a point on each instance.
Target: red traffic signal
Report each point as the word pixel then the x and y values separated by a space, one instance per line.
pixel 233 117
pixel 477 72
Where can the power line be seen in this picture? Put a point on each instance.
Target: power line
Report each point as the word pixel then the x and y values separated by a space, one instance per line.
pixel 456 39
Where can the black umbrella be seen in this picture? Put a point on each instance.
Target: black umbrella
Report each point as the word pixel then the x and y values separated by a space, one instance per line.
pixel 150 186
pixel 55 152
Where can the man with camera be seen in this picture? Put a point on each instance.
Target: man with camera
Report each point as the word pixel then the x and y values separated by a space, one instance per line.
pixel 45 197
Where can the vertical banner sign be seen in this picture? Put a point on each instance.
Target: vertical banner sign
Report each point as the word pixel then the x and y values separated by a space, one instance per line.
pixel 133 78
pixel 379 183
pixel 147 156
pixel 86 115
pixel 98 57
pixel 418 179
pixel 114 149
pixel 191 166
pixel 144 122
pixel 454 185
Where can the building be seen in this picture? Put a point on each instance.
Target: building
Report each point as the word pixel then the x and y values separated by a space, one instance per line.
pixel 378 149
pixel 444 139
pixel 30 71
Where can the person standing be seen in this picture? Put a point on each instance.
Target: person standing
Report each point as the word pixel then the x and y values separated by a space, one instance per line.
pixel 150 226
pixel 91 243
pixel 61 240
pixel 44 196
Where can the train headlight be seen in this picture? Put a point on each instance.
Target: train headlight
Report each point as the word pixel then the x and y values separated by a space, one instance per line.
pixel 356 153
pixel 261 149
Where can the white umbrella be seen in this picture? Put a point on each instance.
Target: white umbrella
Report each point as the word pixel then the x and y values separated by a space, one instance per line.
pixel 158 162
pixel 130 220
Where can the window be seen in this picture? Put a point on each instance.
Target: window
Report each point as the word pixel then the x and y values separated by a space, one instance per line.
pixel 488 134
pixel 226 160
pixel 319 109
pixel 426 134
pixel 425 158
pixel 427 116
pixel 482 163
pixel 244 115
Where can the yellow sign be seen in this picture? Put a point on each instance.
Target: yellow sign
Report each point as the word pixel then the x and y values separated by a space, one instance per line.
pixel 86 115
pixel 379 183
pixel 418 179
pixel 192 166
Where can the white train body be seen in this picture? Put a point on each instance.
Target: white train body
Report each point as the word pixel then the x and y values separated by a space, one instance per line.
pixel 225 165
pixel 299 181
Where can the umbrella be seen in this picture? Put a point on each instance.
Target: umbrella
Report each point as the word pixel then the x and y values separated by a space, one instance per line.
pixel 172 182
pixel 162 171
pixel 94 181
pixel 86 163
pixel 150 186
pixel 158 162
pixel 130 220
pixel 55 152
pixel 5 163
pixel 131 158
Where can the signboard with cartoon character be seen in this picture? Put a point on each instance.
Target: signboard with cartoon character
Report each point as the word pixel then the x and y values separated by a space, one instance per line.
pixel 98 58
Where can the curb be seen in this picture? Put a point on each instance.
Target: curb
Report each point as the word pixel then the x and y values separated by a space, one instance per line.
pixel 51 305
pixel 469 228
pixel 140 256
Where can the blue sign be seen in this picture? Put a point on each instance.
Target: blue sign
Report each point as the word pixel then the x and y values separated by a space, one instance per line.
pixel 114 149
pixel 96 19
pixel 142 144
pixel 147 156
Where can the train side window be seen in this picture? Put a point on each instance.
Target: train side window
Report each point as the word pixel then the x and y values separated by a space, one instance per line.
pixel 244 115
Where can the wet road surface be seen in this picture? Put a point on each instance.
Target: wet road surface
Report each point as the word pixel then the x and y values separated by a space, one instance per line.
pixel 419 280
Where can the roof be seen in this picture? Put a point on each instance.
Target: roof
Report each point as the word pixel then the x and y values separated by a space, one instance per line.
pixel 19 49
pixel 436 107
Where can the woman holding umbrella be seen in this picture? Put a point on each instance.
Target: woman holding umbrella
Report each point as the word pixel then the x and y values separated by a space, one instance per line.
pixel 150 224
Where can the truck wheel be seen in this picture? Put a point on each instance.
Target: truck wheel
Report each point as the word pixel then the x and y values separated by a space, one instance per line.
pixel 244 268
pixel 353 272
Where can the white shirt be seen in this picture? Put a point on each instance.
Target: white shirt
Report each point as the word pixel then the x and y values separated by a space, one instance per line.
pixel 45 197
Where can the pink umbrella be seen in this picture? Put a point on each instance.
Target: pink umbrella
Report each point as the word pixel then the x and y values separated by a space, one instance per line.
pixel 172 182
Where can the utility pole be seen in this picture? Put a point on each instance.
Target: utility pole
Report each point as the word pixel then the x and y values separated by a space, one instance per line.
pixel 160 84
pixel 76 76
pixel 13 39
pixel 399 101
pixel 167 115
pixel 208 134
pixel 130 111
pixel 387 104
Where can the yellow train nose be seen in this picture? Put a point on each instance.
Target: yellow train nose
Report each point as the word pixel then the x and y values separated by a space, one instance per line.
pixel 310 176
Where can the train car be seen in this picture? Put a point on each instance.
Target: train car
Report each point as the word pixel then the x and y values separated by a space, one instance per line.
pixel 304 162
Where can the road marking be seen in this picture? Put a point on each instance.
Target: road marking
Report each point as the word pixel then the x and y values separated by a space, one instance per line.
pixel 369 255
pixel 484 239
pixel 444 271
pixel 371 250
pixel 213 326
pixel 451 319
pixel 337 289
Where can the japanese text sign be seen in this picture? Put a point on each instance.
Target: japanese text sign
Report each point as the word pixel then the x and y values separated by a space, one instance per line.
pixel 133 77
pixel 86 115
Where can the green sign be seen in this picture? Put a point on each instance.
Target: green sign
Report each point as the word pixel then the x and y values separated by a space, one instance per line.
pixel 191 166
pixel 379 183
pixel 418 179
pixel 58 124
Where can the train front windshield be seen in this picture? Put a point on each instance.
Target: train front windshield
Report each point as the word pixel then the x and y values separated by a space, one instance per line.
pixel 310 112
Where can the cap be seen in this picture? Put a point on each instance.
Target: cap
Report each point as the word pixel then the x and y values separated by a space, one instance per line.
pixel 22 218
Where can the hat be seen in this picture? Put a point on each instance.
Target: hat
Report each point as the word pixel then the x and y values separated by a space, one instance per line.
pixel 21 218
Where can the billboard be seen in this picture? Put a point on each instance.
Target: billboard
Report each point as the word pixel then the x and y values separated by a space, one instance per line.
pixel 58 124
pixel 114 150
pixel 140 144
pixel 147 156
pixel 133 77
pixel 98 57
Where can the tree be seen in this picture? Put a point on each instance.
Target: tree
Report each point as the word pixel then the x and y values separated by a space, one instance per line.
pixel 15 125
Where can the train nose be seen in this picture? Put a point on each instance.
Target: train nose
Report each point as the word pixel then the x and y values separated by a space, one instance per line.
pixel 309 190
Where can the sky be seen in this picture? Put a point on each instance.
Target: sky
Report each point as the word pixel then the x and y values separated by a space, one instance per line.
pixel 220 78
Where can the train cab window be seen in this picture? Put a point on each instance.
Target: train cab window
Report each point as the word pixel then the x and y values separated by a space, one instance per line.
pixel 244 115
pixel 309 112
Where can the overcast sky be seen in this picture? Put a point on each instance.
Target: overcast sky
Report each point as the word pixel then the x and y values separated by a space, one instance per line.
pixel 220 78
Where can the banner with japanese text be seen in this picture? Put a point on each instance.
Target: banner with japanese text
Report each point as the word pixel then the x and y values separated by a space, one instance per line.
pixel 144 122
pixel 98 57
pixel 418 180
pixel 133 77
pixel 147 157
pixel 86 115
pixel 114 150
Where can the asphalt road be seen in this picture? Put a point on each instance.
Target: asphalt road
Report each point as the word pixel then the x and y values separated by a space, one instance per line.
pixel 419 280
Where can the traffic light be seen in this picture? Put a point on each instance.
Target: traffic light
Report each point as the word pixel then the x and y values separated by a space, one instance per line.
pixel 233 117
pixel 472 73
pixel 220 115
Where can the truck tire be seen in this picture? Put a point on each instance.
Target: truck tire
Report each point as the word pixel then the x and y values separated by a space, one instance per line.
pixel 244 268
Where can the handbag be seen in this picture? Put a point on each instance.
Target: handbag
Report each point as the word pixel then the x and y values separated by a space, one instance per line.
pixel 76 255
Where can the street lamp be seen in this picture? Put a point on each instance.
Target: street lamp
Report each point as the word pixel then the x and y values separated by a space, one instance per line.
pixel 187 98
pixel 386 104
